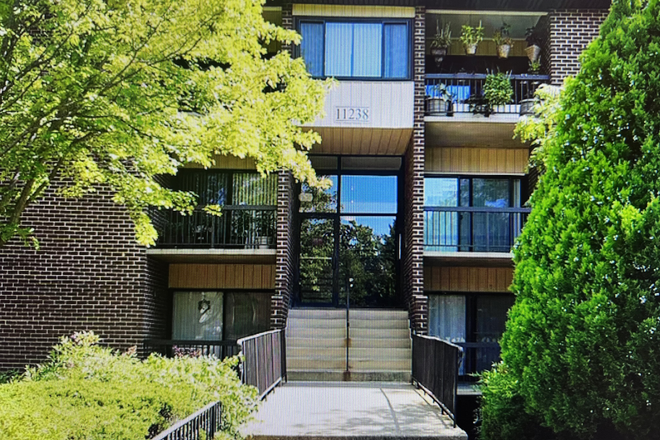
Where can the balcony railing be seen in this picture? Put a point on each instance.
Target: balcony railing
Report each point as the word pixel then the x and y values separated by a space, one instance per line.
pixel 467 91
pixel 472 229
pixel 239 226
pixel 195 348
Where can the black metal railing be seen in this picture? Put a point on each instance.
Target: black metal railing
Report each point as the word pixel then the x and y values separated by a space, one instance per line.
pixel 467 91
pixel 472 229
pixel 179 347
pixel 239 226
pixel 435 365
pixel 478 356
pixel 264 360
pixel 207 420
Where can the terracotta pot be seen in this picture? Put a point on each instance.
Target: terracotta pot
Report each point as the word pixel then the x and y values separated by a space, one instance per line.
pixel 533 53
pixel 503 51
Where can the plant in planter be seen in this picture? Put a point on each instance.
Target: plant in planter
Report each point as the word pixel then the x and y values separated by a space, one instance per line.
pixel 439 100
pixel 471 37
pixel 533 45
pixel 503 41
pixel 441 42
pixel 498 89
pixel 535 67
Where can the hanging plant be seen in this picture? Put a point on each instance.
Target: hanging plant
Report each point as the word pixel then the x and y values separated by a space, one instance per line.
pixel 441 42
pixel 471 37
pixel 503 41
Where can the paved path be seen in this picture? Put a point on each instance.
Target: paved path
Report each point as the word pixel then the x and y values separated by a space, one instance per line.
pixel 350 410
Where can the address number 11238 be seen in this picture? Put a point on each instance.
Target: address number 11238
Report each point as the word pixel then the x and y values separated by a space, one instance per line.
pixel 352 114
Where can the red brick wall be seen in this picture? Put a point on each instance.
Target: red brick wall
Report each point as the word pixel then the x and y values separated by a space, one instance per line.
pixel 570 33
pixel 89 274
pixel 413 273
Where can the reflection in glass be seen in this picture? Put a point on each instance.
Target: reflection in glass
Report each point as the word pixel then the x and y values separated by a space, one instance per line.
pixel 441 228
pixel 322 200
pixel 369 194
pixel 317 247
pixel 368 255
pixel 197 316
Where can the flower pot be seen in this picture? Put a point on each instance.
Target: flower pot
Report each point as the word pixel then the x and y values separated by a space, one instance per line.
pixel 436 106
pixel 527 107
pixel 503 51
pixel 470 49
pixel 439 54
pixel 533 53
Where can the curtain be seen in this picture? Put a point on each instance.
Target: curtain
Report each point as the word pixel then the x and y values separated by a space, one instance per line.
pixel 338 49
pixel 447 317
pixel 367 49
pixel 396 51
pixel 197 316
pixel 311 47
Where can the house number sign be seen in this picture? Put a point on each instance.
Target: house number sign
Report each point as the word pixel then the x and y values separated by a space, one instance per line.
pixel 352 114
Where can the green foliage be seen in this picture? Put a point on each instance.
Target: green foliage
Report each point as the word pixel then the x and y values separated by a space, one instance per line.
pixel 502 36
pixel 498 89
pixel 472 35
pixel 116 93
pixel 581 346
pixel 442 38
pixel 90 392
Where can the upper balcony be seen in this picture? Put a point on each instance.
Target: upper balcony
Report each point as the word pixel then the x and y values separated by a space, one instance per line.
pixel 476 99
pixel 244 232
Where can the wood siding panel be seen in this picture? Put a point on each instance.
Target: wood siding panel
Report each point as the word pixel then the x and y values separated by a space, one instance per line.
pixel 352 11
pixel 467 279
pixel 222 276
pixel 371 141
pixel 477 160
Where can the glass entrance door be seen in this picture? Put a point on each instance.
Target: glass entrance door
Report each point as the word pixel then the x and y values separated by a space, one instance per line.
pixel 318 261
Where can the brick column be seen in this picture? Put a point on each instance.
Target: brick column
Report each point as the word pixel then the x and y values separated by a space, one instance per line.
pixel 285 261
pixel 571 30
pixel 413 270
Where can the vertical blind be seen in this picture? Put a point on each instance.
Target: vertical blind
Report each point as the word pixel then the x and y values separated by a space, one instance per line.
pixel 360 50
pixel 197 316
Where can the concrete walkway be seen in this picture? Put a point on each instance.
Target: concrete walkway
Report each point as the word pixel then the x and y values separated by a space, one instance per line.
pixel 350 410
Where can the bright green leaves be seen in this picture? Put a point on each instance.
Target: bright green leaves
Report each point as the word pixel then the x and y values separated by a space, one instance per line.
pixel 116 93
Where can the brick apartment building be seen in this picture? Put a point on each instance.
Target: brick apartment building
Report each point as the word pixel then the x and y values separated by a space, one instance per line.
pixel 421 217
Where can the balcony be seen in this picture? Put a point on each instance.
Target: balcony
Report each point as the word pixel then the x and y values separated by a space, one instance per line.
pixel 243 233
pixel 460 233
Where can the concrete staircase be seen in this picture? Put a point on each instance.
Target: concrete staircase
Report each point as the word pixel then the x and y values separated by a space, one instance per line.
pixel 379 345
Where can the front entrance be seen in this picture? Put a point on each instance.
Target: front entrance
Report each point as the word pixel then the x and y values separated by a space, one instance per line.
pixel 349 235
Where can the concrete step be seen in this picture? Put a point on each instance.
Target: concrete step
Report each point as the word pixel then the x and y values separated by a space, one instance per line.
pixel 356 333
pixel 355 342
pixel 305 313
pixel 319 363
pixel 340 353
pixel 351 376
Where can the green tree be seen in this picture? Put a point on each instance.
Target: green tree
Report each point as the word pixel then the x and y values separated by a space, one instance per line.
pixel 115 93
pixel 580 354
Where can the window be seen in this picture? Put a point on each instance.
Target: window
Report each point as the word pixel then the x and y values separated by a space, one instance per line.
pixel 471 214
pixel 364 49
pixel 475 322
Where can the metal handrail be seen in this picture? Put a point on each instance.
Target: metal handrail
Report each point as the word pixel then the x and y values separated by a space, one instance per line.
pixel 207 420
pixel 264 360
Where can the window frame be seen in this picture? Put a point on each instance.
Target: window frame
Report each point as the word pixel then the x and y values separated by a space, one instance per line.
pixel 384 21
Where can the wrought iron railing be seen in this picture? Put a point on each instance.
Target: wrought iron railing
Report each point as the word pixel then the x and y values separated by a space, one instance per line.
pixel 435 365
pixel 179 347
pixel 264 360
pixel 207 421
pixel 472 229
pixel 239 226
pixel 467 91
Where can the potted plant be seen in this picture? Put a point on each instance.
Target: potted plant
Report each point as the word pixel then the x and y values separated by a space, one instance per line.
pixel 441 42
pixel 471 37
pixel 498 89
pixel 503 41
pixel 533 45
pixel 439 100
pixel 535 67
